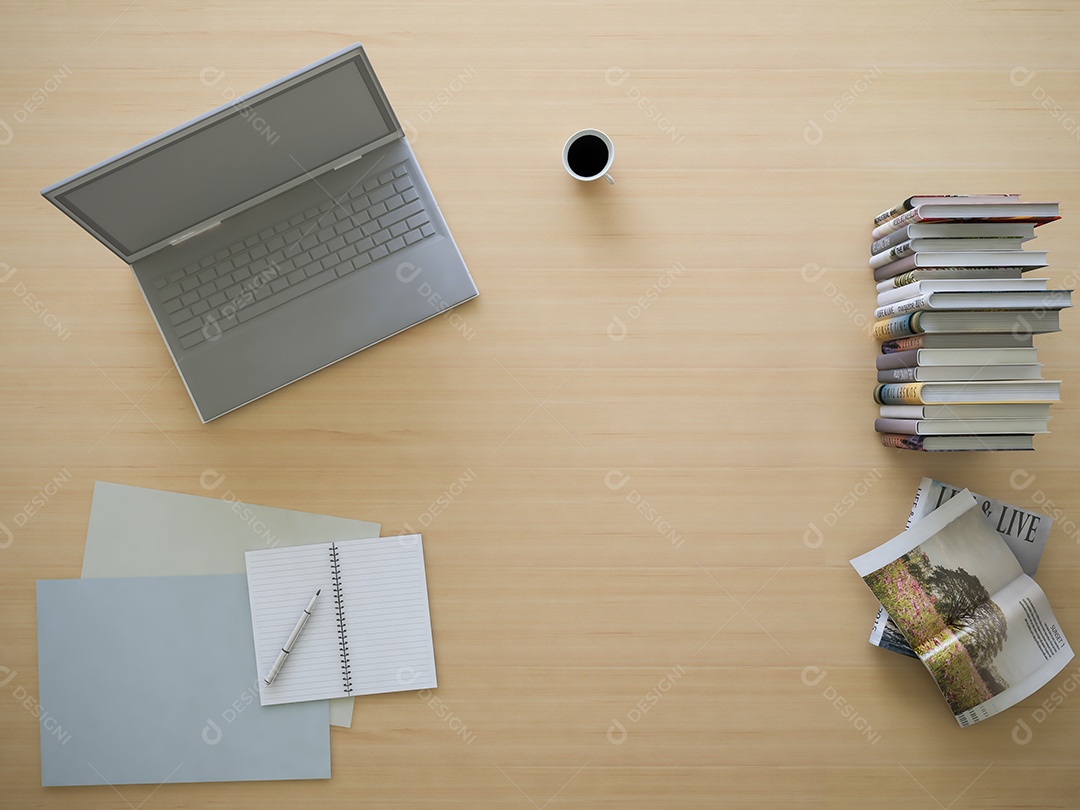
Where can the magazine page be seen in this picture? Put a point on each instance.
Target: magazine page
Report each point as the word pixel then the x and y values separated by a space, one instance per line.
pixel 980 625
pixel 885 633
pixel 1024 531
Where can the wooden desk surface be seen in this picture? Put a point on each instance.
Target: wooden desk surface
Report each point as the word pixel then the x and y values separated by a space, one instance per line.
pixel 620 452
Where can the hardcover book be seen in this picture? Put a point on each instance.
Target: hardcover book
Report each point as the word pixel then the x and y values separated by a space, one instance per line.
pixel 920 199
pixel 1023 259
pixel 942 444
pixel 1038 213
pixel 932 273
pixel 913 246
pixel 949 393
pixel 890 295
pixel 1021 299
pixel 955 357
pixel 1020 322
pixel 960 340
pixel 955 230
pixel 1010 410
pixel 985 371
pixel 959 427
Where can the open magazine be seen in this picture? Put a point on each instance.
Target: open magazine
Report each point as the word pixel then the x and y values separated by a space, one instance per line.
pixel 983 628
pixel 1023 531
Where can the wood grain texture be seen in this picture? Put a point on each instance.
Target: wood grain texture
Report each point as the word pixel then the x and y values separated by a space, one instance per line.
pixel 643 456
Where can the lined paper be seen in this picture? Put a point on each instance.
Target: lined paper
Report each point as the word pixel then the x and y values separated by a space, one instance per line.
pixel 369 633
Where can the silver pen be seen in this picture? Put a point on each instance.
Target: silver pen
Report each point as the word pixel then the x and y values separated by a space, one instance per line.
pixel 269 679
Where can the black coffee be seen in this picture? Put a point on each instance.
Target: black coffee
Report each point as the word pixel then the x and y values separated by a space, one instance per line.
pixel 588 156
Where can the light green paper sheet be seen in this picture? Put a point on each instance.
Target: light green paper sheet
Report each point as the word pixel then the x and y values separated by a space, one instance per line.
pixel 139 532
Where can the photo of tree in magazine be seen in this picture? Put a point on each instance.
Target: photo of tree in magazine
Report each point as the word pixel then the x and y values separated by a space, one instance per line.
pixel 983 628
pixel 1024 531
pixel 963 630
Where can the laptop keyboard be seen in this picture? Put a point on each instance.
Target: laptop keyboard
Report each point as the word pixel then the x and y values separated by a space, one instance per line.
pixel 299 254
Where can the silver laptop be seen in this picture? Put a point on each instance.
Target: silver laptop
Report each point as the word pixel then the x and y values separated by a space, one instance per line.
pixel 277 234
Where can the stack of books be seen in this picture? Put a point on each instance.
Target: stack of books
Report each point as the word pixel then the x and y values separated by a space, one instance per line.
pixel 956 317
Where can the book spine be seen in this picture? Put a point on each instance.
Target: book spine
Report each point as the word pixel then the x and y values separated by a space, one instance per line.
pixel 899 394
pixel 886 242
pixel 902 326
pixel 903 344
pixel 903 307
pixel 891 255
pixel 895 211
pixel 902 441
pixel 894 295
pixel 903 279
pixel 909 427
pixel 898 375
pixel 896 223
pixel 891 360
pixel 339 607
pixel 896 267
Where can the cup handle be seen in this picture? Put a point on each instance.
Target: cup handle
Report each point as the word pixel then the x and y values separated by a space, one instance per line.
pixel 610 179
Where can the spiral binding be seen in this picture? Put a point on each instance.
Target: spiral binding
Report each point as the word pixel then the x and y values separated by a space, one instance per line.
pixel 343 641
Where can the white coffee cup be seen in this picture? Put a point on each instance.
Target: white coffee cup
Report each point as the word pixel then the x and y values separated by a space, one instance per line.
pixel 586 159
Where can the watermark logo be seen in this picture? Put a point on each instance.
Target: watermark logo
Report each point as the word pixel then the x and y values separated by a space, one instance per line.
pixel 47 721
pixel 616 480
pixel 617 329
pixel 212 330
pixel 812 273
pixel 407 273
pixel 441 502
pixel 36 100
pixel 814 133
pixel 212 733
pixel 616 77
pixel 210 480
pixel 1022 733
pixel 814 537
pixel 407 676
pixel 1021 480
pixel 812 676
pixel 41 498
pixel 618 732
pixel 441 100
pixel 33 303
pixel 211 76
pixel 1021 76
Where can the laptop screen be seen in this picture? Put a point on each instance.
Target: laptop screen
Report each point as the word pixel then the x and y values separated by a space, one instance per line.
pixel 276 138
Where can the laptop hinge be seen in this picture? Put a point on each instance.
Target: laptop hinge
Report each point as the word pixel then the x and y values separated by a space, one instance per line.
pixel 196 232
pixel 347 162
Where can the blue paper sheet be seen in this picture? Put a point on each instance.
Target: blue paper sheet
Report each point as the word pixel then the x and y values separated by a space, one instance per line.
pixel 152 680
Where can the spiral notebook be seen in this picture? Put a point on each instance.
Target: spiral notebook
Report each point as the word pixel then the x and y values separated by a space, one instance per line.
pixel 370 629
